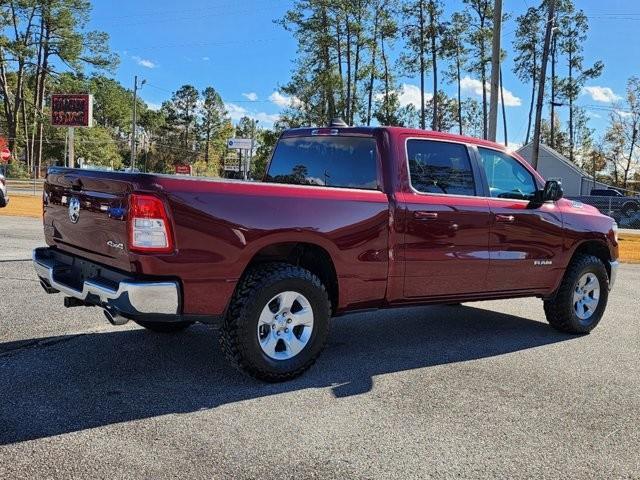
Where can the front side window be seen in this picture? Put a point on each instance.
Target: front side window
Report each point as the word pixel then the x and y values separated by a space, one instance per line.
pixel 506 176
pixel 330 161
pixel 440 167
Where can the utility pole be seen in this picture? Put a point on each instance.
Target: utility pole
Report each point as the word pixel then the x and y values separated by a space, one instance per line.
pixel 72 160
pixel 135 120
pixel 504 111
pixel 495 70
pixel 543 74
pixel 552 127
pixel 253 142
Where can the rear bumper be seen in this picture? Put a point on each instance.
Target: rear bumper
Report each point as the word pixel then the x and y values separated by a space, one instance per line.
pixel 95 285
pixel 614 273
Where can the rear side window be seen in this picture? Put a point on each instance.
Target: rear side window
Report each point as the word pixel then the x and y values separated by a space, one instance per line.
pixel 440 167
pixel 327 161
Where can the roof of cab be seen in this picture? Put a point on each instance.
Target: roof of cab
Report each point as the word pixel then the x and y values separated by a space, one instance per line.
pixel 393 131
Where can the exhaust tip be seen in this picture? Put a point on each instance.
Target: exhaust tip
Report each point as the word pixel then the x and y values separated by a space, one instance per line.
pixel 115 318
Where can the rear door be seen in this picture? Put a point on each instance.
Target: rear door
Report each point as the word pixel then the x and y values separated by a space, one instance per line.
pixel 525 238
pixel 85 214
pixel 446 233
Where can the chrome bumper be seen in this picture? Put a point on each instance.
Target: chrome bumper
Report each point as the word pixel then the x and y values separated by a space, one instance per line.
pixel 614 273
pixel 128 298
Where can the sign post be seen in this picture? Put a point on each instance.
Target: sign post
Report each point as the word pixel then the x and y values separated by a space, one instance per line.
pixel 71 111
pixel 242 144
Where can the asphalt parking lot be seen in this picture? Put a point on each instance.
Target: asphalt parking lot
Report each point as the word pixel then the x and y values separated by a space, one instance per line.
pixel 484 390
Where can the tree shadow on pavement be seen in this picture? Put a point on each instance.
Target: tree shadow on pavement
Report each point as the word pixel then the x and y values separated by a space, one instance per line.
pixel 70 383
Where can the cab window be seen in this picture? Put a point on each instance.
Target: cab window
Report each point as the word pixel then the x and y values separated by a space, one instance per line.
pixel 506 176
pixel 440 167
pixel 335 161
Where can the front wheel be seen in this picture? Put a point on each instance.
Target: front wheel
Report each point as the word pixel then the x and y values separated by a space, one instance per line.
pixel 277 323
pixel 581 299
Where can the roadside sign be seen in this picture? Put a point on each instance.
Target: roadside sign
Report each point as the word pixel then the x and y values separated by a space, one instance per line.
pixel 239 143
pixel 71 110
pixel 183 169
pixel 5 154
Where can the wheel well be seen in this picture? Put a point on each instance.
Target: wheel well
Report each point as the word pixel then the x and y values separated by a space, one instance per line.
pixel 306 255
pixel 597 249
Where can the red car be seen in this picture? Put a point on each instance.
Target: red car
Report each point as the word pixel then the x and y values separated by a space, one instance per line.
pixel 345 219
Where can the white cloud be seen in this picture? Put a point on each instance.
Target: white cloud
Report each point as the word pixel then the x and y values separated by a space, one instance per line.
pixel 283 101
pixel 623 113
pixel 236 112
pixel 601 94
pixel 144 62
pixel 472 86
pixel 251 96
pixel 410 95
pixel 153 106
pixel 205 59
pixel 592 114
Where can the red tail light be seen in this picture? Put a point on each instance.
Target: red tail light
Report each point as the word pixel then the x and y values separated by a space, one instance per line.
pixel 149 226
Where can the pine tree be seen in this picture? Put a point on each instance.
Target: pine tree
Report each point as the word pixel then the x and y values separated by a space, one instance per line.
pixel 528 49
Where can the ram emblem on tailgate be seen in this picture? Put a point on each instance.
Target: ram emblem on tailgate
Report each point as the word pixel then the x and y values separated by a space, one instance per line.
pixel 74 210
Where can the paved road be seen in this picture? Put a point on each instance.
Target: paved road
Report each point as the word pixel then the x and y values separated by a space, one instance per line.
pixel 486 390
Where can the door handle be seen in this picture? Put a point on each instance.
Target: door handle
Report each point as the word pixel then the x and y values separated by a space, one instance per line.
pixel 422 215
pixel 505 218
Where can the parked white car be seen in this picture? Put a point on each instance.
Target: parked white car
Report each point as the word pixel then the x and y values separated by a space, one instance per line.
pixel 4 197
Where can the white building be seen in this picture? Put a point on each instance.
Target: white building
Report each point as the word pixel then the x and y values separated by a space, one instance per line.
pixel 553 166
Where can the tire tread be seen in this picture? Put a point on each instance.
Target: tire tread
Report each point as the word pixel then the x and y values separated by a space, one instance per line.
pixel 246 290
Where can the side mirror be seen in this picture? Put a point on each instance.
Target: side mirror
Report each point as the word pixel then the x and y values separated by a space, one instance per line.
pixel 552 191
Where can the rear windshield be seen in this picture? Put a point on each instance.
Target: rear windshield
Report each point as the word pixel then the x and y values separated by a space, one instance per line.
pixel 326 161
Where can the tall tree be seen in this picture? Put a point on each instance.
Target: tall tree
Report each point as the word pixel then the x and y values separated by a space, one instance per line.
pixel 455 50
pixel 435 32
pixel 414 58
pixel 527 46
pixel 214 116
pixel 622 136
pixel 480 35
pixel 182 110
pixel 573 27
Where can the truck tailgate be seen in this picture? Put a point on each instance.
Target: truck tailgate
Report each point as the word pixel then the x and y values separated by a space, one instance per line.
pixel 85 213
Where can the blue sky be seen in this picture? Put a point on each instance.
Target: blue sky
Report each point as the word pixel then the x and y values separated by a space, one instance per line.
pixel 235 47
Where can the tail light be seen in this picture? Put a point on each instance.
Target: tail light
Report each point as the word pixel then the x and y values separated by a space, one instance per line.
pixel 2 180
pixel 149 226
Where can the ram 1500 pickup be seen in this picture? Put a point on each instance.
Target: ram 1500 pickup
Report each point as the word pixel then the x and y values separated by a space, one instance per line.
pixel 345 219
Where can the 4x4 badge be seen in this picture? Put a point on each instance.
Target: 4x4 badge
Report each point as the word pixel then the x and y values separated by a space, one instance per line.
pixel 74 210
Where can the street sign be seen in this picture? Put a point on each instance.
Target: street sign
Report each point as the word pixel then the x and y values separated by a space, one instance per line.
pixel 239 143
pixel 5 154
pixel 71 110
pixel 183 169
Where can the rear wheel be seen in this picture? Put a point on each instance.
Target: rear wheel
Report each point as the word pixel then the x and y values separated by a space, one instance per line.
pixel 277 323
pixel 164 327
pixel 581 298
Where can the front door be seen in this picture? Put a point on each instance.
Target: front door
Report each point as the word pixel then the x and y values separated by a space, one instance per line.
pixel 525 238
pixel 446 232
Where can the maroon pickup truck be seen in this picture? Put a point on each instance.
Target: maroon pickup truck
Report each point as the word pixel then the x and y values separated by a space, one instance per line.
pixel 345 219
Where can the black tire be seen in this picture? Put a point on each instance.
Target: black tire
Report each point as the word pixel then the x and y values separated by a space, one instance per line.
pixel 164 327
pixel 238 336
pixel 559 309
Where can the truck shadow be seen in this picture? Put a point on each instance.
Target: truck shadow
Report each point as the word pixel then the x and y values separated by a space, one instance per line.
pixel 65 384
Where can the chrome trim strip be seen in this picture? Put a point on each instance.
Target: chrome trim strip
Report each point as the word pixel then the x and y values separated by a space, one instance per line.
pixel 141 297
pixel 614 273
